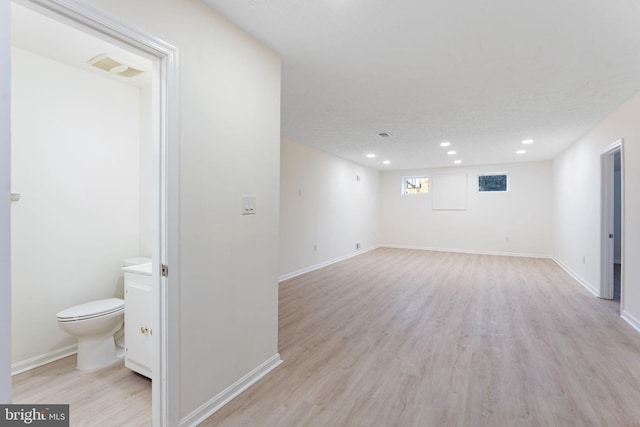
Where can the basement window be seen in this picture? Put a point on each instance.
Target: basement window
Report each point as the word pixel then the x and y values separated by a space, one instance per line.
pixel 498 182
pixel 415 185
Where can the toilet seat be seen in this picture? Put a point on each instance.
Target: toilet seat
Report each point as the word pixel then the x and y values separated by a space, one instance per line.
pixel 91 310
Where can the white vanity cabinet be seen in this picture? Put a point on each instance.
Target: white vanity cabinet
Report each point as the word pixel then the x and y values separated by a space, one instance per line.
pixel 138 329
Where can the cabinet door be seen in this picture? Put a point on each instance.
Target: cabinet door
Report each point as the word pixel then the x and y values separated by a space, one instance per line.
pixel 137 321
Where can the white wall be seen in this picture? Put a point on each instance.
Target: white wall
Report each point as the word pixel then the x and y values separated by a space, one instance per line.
pixel 515 222
pixel 5 177
pixel 145 208
pixel 576 224
pixel 324 210
pixel 229 108
pixel 75 145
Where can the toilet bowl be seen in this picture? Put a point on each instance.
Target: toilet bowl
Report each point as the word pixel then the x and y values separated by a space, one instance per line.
pixel 94 324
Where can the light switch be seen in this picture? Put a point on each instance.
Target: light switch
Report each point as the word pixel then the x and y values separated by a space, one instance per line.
pixel 248 205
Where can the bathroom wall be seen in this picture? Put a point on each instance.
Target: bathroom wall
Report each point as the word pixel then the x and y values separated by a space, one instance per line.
pixel 516 222
pixel 146 174
pixel 77 171
pixel 324 210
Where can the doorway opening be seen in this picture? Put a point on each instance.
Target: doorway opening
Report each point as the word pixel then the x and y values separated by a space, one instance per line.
pixel 161 131
pixel 612 248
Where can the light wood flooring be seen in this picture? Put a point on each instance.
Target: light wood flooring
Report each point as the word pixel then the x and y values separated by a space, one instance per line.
pixel 111 397
pixel 410 338
pixel 415 338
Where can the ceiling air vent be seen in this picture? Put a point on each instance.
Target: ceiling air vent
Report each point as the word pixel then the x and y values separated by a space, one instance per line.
pixel 113 66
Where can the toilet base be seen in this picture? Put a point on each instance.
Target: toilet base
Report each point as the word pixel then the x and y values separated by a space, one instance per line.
pixel 97 353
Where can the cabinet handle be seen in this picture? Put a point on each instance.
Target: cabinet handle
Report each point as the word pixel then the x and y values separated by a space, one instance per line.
pixel 143 330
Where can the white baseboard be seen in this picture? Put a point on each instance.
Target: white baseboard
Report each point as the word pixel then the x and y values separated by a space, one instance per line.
pixel 43 359
pixel 630 319
pixel 225 396
pixel 467 251
pixel 420 248
pixel 324 264
pixel 588 286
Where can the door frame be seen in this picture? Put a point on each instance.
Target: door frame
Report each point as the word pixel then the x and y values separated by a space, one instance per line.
pixel 607 174
pixel 164 117
pixel 5 225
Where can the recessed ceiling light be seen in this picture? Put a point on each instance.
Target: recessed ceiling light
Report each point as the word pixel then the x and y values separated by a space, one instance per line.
pixel 520 152
pixel 451 153
pixel 384 134
pixel 371 155
pixel 457 162
pixel 386 162
pixel 445 144
pixel 527 141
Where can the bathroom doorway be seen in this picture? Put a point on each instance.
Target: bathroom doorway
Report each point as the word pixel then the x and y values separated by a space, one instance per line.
pixel 612 194
pixel 160 132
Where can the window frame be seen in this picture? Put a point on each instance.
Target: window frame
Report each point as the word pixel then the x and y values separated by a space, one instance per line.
pixel 417 193
pixel 507 183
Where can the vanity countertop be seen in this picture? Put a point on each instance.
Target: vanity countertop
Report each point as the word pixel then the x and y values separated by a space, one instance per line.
pixel 139 269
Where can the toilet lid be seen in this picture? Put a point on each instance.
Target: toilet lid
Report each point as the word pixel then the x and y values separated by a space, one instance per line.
pixel 91 309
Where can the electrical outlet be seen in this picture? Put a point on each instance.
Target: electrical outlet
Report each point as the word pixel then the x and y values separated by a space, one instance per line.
pixel 357 246
pixel 584 259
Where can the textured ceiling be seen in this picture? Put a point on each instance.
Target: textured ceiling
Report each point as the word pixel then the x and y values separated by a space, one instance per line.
pixel 484 75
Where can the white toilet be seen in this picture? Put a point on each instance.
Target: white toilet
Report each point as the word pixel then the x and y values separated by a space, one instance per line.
pixel 98 325
pixel 94 324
